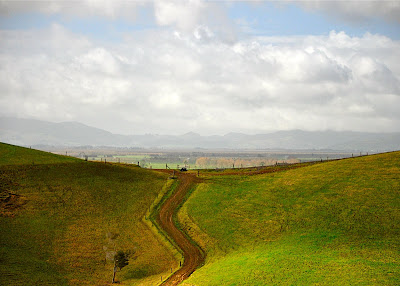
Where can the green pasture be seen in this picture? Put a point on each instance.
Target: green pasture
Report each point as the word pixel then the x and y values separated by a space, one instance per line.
pixel 10 155
pixel 55 217
pixel 331 223
pixel 129 159
pixel 145 161
pixel 334 223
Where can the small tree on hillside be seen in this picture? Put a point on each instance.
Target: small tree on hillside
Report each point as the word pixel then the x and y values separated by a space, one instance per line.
pixel 121 259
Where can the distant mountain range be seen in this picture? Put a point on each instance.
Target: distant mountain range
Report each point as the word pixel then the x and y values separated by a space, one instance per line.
pixel 28 132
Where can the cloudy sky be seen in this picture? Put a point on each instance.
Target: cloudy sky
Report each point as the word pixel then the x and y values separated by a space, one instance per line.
pixel 212 67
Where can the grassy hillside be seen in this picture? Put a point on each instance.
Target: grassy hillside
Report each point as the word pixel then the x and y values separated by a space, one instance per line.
pixel 54 218
pixel 336 223
pixel 11 155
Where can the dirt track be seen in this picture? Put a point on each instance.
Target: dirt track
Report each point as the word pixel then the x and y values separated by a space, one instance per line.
pixel 193 256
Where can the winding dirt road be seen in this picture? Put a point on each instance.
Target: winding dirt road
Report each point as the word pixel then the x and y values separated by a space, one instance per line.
pixel 193 256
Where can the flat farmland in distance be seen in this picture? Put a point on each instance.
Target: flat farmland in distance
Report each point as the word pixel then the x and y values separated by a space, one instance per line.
pixel 201 159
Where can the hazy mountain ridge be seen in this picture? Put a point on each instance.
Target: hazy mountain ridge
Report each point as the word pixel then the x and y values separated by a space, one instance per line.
pixel 36 132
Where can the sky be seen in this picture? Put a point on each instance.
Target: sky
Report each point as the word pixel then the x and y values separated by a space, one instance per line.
pixel 211 67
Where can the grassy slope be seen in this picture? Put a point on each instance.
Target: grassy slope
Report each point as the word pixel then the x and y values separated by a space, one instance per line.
pixel 11 155
pixel 336 223
pixel 54 232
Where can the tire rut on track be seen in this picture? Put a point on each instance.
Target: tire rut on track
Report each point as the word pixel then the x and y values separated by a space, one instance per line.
pixel 193 256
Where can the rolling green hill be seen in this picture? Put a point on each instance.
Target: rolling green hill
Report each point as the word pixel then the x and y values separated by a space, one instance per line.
pixel 336 223
pixel 55 215
pixel 12 155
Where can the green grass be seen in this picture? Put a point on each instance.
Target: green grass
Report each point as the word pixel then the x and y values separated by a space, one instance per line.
pixel 10 155
pixel 145 161
pixel 54 231
pixel 336 223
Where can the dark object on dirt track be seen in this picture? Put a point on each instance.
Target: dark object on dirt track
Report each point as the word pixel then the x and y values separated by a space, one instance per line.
pixel 183 169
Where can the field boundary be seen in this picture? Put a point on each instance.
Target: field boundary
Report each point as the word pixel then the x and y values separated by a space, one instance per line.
pixel 279 167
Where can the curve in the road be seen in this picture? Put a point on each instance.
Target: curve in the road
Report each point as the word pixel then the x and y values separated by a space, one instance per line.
pixel 193 256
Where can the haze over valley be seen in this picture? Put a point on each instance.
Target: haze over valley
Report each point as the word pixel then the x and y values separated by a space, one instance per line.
pixel 44 134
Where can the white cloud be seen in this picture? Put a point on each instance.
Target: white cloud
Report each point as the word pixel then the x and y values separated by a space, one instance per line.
pixel 204 19
pixel 187 14
pixel 109 9
pixel 356 11
pixel 184 14
pixel 170 82
pixel 98 60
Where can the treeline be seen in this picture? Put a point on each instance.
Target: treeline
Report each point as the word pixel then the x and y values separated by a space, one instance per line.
pixel 207 162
